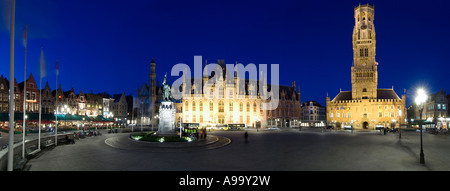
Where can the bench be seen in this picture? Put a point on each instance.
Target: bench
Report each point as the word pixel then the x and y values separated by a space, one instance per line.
pixel 48 143
pixel 19 162
pixel 32 150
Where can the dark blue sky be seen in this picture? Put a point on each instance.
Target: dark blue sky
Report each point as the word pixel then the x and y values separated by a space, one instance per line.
pixel 108 45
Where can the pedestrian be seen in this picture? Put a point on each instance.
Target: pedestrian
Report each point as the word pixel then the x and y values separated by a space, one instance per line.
pixel 246 136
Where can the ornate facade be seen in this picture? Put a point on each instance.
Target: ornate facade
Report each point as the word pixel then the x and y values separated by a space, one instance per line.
pixel 365 106
pixel 225 106
pixel 228 106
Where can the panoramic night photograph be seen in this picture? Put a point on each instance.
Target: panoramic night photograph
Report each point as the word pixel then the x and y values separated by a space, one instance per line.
pixel 224 94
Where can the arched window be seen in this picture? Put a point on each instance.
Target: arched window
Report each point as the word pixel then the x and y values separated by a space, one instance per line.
pixel 193 106
pixel 186 105
pixel 201 106
pixel 364 90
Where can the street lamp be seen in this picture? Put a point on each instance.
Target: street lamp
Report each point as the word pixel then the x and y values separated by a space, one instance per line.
pixel 399 123
pixel 421 97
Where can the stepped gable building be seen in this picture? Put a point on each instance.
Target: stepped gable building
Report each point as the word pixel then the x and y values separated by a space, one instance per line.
pixel 4 94
pixel 365 106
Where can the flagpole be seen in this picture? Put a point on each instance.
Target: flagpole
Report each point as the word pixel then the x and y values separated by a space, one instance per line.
pixel 11 91
pixel 40 96
pixel 56 113
pixel 24 93
pixel 132 113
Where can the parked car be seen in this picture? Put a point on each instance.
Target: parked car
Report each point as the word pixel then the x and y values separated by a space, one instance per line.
pixel 348 127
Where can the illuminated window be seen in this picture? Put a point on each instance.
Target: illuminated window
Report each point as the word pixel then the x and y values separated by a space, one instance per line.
pixel 221 106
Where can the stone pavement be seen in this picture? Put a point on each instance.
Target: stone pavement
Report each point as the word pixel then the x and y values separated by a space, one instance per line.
pixel 282 150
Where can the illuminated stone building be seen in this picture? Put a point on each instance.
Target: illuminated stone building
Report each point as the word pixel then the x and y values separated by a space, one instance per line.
pixel 365 106
pixel 228 106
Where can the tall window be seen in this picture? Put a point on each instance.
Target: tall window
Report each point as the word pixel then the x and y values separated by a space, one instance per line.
pixel 201 106
pixel 231 106
pixel 186 105
pixel 366 52
pixel 241 107
pixel 254 107
pixel 220 91
pixel 221 106
pixel 193 106
pixel 248 107
pixel 211 106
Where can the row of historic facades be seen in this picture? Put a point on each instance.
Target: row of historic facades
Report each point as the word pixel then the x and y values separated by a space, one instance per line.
pixel 435 111
pixel 69 102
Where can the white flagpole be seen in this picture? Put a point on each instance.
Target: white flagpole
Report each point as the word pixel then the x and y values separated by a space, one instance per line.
pixel 40 96
pixel 11 91
pixel 132 113
pixel 40 110
pixel 24 95
pixel 56 97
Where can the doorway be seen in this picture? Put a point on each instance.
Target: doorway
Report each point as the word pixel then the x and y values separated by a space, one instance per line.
pixel 365 125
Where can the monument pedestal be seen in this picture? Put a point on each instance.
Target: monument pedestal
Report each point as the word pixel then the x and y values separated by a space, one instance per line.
pixel 166 126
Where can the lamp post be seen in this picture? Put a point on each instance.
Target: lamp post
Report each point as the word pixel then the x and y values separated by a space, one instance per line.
pixel 421 97
pixel 399 124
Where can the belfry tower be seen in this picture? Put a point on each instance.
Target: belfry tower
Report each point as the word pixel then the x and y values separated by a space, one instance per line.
pixel 364 68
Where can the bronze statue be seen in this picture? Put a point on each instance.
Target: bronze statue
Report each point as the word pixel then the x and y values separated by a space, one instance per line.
pixel 167 94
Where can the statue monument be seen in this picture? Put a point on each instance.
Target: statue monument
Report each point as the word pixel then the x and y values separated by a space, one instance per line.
pixel 167 111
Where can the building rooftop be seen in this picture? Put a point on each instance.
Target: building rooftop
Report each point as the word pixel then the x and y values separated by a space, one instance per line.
pixel 381 94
